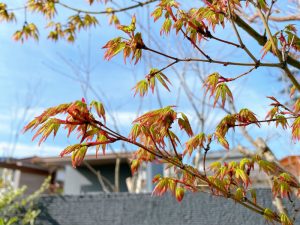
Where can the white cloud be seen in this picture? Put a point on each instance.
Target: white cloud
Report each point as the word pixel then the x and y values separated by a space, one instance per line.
pixel 28 150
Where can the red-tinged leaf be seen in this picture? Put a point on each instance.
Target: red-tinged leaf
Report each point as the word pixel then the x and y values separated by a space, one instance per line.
pixel 269 215
pixel 174 138
pixel 247 116
pixel 161 187
pixel 163 79
pixel 166 27
pixel 271 114
pixel 280 119
pixel 135 164
pixel 161 118
pixel 285 220
pixel 296 129
pixel 156 178
pixel 130 28
pixel 263 5
pixel 211 82
pixel 135 132
pixel 70 149
pixel 253 195
pixel 178 25
pixel 70 129
pixel 244 162
pixel 157 13
pixel 223 142
pixel 240 174
pixel 269 47
pixel 104 139
pixel 215 166
pixel 172 186
pixel 297 106
pixel 194 143
pixel 78 156
pixel 113 47
pixel 52 125
pixel 266 166
pixel 31 125
pixel 99 109
pixel 239 194
pixel 179 193
pixel 185 125
pixel 226 123
pixel 222 91
pixel 292 91
pixel 141 87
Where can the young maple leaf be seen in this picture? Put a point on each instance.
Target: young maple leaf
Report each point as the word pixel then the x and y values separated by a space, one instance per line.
pixel 296 129
pixel 185 125
pixel 247 116
pixel 194 143
pixel 179 194
pixel 78 155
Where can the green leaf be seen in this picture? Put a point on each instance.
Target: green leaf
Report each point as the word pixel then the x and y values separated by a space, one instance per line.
pixel 98 106
pixel 184 124
pixel 141 87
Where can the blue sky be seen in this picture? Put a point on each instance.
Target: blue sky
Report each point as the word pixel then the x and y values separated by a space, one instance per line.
pixel 44 74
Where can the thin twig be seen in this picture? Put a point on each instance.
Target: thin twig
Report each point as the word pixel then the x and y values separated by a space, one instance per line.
pixel 243 46
pixel 279 65
pixel 140 4
pixel 173 144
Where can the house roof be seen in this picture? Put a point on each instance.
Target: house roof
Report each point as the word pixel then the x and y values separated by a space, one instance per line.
pixel 220 154
pixel 292 164
pixel 24 167
pixel 109 158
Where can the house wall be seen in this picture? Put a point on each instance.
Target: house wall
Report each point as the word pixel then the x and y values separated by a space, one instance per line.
pixel 81 180
pixel 32 181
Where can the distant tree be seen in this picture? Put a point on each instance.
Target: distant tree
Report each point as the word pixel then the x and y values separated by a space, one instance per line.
pixel 196 22
pixel 16 207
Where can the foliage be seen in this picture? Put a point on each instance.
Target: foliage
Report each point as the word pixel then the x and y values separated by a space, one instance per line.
pixel 16 207
pixel 152 131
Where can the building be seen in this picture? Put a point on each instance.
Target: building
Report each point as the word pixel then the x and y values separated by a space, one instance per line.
pixel 292 165
pixel 18 173
pixel 100 174
pixel 96 174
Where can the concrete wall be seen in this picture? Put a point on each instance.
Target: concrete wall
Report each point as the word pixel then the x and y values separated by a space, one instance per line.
pixel 143 209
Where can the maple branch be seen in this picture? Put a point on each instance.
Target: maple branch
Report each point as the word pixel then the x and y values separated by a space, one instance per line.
pixel 195 45
pixel 187 37
pixel 270 10
pixel 262 121
pixel 173 144
pixel 246 203
pixel 157 148
pixel 224 63
pixel 241 75
pixel 206 149
pixel 225 42
pixel 243 46
pixel 294 17
pixel 164 68
pixel 277 52
pixel 261 39
pixel 139 4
